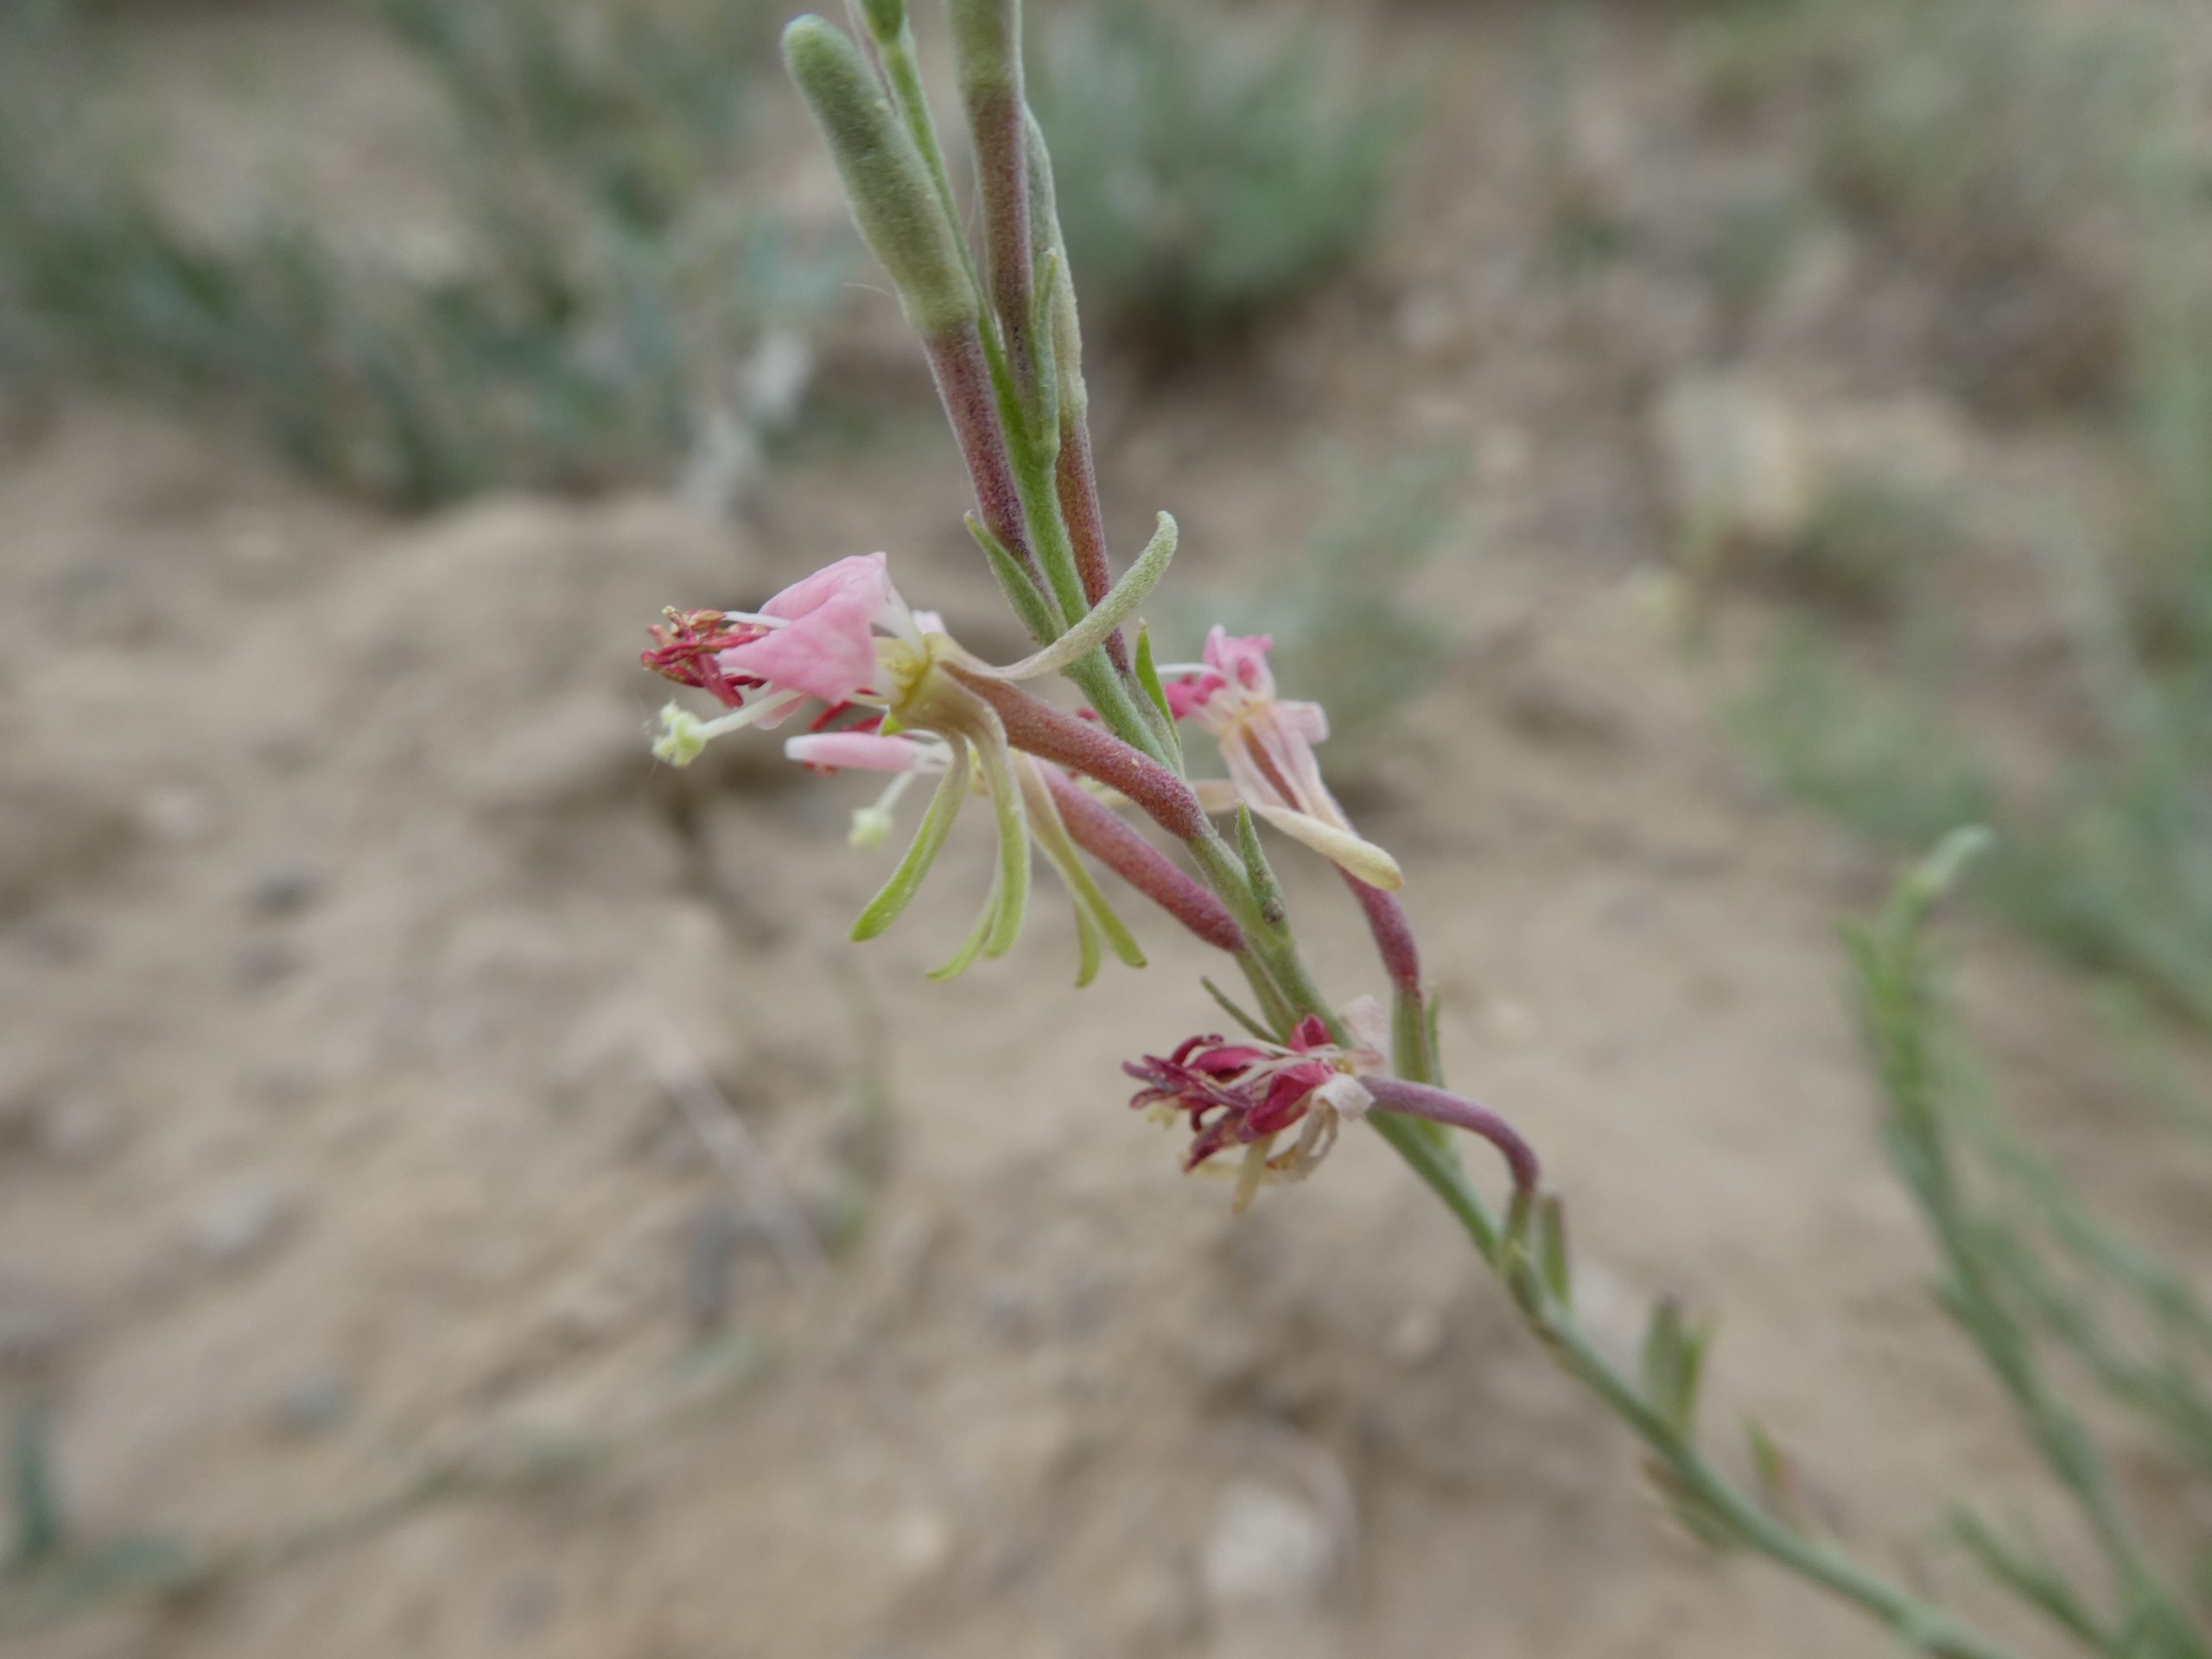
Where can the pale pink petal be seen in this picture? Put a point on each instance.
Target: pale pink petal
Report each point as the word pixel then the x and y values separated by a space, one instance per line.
pixel 1348 1095
pixel 1366 1018
pixel 860 751
pixel 1309 719
pixel 828 648
pixel 1191 693
pixel 863 575
pixel 1242 661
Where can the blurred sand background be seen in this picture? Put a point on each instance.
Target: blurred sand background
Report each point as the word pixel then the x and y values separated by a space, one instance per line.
pixel 343 915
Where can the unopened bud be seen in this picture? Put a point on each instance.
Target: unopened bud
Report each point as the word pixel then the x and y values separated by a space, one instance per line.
pixel 885 17
pixel 886 184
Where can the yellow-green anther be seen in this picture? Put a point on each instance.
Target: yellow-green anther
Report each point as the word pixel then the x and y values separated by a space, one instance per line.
pixel 886 184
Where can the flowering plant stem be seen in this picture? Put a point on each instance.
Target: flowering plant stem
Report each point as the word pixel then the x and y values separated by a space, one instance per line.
pixel 1002 339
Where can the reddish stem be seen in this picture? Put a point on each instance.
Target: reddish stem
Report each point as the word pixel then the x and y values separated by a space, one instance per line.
pixel 963 384
pixel 1394 934
pixel 1003 184
pixel 1418 1100
pixel 1039 729
pixel 1098 830
pixel 1077 483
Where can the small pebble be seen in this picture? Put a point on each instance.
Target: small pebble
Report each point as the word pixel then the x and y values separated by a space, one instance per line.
pixel 921 1544
pixel 314 1406
pixel 265 965
pixel 242 1222
pixel 76 1131
pixel 1417 1339
pixel 279 888
pixel 178 816
pixel 1266 1547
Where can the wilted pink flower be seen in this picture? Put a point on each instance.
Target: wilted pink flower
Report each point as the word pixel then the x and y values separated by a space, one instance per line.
pixel 1267 743
pixel 817 639
pixel 1246 1093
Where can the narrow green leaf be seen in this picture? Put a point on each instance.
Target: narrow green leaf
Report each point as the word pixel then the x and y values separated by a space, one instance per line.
pixel 1265 887
pixel 972 946
pixel 928 843
pixel 1148 678
pixel 1013 881
pixel 1094 917
pixel 1553 1260
pixel 1663 1359
pixel 1115 608
pixel 1044 415
pixel 1086 948
pixel 1229 1007
pixel 1768 1463
pixel 2024 1571
pixel 1036 611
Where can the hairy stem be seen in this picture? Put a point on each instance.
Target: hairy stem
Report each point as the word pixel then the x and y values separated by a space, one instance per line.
pixel 964 383
pixel 1075 483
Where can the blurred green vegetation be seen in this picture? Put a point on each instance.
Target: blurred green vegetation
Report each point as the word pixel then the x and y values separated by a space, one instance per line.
pixel 2037 164
pixel 1206 178
pixel 588 327
pixel 2061 1306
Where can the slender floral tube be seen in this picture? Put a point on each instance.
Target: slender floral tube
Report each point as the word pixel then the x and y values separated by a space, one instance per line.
pixel 1044 731
pixel 1100 831
pixel 1394 934
pixel 1418 1100
pixel 963 384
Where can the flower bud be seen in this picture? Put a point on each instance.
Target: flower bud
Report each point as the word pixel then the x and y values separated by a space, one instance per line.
pixel 886 184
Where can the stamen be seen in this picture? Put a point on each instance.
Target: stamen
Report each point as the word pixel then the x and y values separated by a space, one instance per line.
pixel 872 824
pixel 684 734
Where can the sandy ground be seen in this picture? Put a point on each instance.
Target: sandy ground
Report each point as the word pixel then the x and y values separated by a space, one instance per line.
pixel 342 914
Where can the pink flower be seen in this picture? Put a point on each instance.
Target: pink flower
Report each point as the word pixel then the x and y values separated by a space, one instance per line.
pixel 1247 1093
pixel 1267 743
pixel 818 638
pixel 826 645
